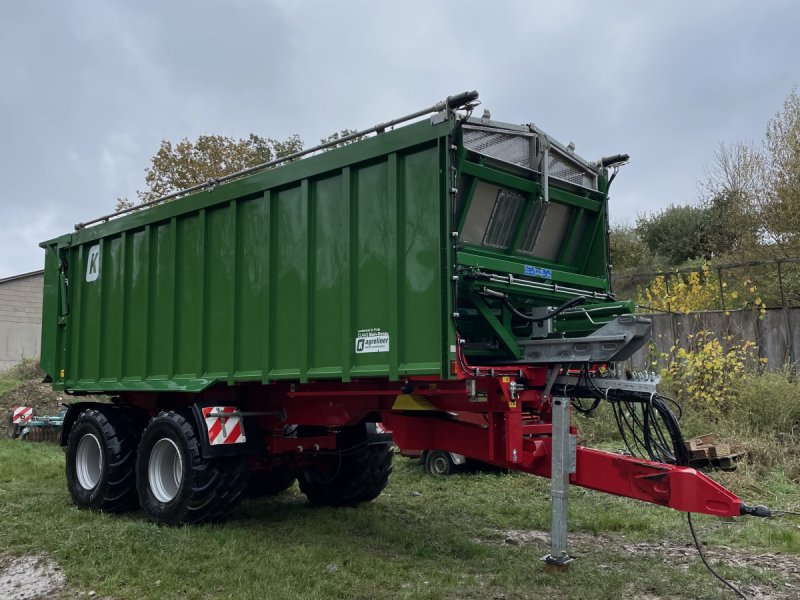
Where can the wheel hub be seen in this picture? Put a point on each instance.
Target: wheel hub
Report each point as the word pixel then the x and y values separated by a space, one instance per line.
pixel 165 470
pixel 89 462
pixel 440 465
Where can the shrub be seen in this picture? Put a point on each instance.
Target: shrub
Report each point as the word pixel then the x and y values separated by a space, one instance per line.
pixel 708 377
pixel 699 290
pixel 768 404
pixel 682 293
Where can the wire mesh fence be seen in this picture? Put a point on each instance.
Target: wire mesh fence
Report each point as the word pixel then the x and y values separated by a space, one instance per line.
pixel 762 284
pixel 754 301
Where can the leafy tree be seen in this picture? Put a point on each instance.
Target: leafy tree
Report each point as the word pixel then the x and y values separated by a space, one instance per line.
pixel 182 165
pixel 175 167
pixel 628 251
pixel 339 135
pixel 676 234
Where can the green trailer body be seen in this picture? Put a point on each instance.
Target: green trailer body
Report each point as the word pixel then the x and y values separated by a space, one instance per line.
pixel 447 279
pixel 338 266
pixel 266 278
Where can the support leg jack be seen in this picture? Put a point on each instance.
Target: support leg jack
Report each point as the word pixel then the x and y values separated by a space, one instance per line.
pixel 563 463
pixel 557 564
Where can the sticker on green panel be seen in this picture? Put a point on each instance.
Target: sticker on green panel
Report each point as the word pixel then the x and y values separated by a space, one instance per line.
pixel 537 272
pixel 93 263
pixel 372 340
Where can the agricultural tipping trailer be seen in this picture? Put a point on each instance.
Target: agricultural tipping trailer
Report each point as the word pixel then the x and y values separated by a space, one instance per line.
pixel 255 329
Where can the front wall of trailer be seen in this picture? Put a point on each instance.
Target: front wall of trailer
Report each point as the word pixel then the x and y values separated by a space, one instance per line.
pixel 338 275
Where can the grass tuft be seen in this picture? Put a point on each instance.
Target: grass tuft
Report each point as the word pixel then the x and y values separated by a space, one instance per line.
pixel 468 536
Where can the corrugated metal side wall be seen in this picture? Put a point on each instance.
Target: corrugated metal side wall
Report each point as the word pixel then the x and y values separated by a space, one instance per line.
pixel 278 284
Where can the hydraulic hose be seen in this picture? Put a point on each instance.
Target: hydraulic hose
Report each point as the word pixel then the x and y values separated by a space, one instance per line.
pixel 556 311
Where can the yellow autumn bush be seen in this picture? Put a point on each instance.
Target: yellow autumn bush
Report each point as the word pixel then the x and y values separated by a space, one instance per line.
pixel 682 292
pixel 707 375
pixel 697 291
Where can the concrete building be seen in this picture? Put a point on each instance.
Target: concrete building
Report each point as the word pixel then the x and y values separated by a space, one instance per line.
pixel 20 317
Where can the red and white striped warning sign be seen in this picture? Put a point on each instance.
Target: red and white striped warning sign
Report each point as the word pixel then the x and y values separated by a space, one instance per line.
pixel 222 429
pixel 22 414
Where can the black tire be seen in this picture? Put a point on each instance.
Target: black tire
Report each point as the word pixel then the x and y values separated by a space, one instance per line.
pixel 269 483
pixel 101 453
pixel 176 485
pixel 356 473
pixel 439 463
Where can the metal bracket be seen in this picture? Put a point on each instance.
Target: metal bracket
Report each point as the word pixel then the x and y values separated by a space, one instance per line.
pixel 646 386
pixel 615 341
pixel 439 117
pixel 552 377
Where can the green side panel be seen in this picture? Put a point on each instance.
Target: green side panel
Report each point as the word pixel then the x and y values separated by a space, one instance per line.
pixel 50 312
pixel 330 262
pixel 160 286
pixel 290 292
pixel 112 309
pixel 376 234
pixel 420 268
pixel 89 325
pixel 134 340
pixel 189 297
pixel 251 312
pixel 219 284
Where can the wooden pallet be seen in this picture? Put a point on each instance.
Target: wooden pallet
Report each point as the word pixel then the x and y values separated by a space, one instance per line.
pixel 704 452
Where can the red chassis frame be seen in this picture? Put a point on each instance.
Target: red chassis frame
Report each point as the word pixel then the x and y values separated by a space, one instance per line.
pixel 501 417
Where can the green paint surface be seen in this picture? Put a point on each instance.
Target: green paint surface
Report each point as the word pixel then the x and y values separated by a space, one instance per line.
pixel 294 272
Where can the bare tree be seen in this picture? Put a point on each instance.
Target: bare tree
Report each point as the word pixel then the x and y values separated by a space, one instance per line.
pixel 730 195
pixel 780 204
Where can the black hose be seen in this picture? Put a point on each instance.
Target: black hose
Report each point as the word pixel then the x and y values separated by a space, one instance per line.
pixel 568 304
pixel 649 429
pixel 705 562
pixel 648 426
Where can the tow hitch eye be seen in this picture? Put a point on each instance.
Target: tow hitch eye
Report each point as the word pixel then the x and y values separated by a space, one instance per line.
pixel 759 510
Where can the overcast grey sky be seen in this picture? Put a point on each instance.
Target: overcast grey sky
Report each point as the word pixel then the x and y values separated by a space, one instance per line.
pixel 90 87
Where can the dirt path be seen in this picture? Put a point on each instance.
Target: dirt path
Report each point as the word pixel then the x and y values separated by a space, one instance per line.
pixel 36 577
pixel 681 557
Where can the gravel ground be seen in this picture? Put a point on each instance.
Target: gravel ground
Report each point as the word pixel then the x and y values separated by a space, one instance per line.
pixel 682 557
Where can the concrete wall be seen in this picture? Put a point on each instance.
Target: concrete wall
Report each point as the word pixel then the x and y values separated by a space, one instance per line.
pixel 776 334
pixel 20 318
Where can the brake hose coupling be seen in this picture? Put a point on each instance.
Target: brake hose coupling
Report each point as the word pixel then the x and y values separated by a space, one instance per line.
pixel 759 510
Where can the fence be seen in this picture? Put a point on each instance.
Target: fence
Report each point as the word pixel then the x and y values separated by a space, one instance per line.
pixel 776 334
pixel 757 301
pixel 775 282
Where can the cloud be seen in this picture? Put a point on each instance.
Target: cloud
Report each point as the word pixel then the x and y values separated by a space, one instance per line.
pixel 90 87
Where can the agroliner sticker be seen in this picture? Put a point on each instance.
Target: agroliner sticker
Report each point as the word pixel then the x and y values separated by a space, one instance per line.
pixel 372 340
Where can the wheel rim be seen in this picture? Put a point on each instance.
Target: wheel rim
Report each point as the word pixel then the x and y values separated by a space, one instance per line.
pixel 89 462
pixel 165 470
pixel 440 465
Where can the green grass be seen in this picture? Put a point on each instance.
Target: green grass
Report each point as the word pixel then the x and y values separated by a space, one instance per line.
pixel 424 537
pixel 8 381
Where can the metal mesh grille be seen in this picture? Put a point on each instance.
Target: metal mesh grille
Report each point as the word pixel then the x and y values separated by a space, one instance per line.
pixel 515 148
pixel 505 215
pixel 508 147
pixel 560 168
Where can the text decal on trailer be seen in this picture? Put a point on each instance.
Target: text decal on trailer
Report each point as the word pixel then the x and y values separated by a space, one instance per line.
pixel 372 340
pixel 93 263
